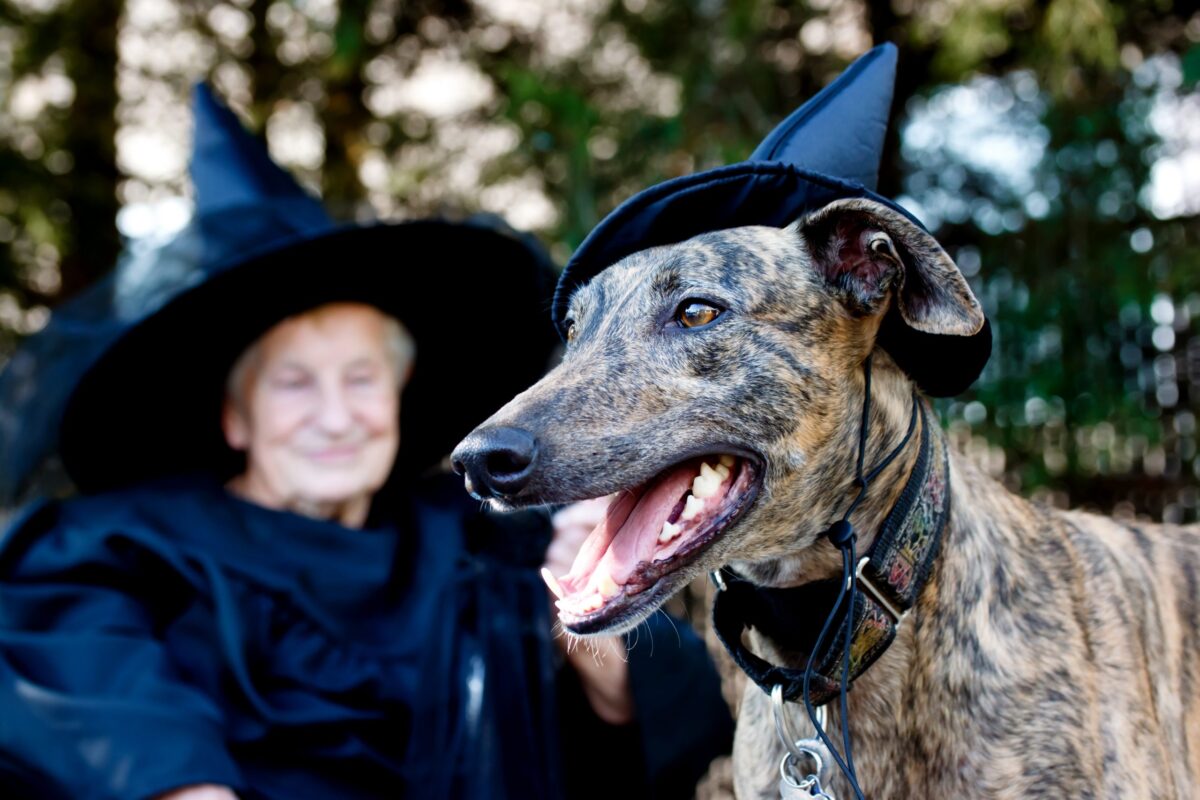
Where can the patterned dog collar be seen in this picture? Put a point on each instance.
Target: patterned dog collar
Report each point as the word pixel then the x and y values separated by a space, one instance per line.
pixel 891 575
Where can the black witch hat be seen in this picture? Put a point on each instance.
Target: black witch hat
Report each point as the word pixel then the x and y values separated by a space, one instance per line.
pixel 828 149
pixel 126 380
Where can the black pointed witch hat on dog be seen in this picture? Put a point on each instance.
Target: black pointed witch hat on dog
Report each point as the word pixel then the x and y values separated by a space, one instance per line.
pixel 126 380
pixel 828 149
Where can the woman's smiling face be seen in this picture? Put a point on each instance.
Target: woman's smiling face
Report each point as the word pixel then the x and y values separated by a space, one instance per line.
pixel 314 404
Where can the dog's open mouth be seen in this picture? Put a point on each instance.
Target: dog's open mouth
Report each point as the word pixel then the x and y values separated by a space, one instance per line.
pixel 649 533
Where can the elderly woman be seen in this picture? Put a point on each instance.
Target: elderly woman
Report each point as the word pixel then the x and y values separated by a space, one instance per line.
pixel 314 405
pixel 266 589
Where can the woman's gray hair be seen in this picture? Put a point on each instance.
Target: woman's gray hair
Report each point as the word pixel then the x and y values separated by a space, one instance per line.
pixel 401 348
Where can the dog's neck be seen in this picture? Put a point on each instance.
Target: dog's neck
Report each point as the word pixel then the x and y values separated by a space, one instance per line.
pixel 914 689
pixel 990 644
pixel 919 696
pixel 830 479
pixel 906 509
pixel 891 570
pixel 892 399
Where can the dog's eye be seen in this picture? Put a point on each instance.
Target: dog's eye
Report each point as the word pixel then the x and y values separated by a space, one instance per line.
pixel 696 313
pixel 571 330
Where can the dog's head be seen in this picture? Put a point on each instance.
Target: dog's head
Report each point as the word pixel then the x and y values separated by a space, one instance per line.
pixel 711 385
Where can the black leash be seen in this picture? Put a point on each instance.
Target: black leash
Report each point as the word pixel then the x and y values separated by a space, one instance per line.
pixel 892 576
pixel 842 536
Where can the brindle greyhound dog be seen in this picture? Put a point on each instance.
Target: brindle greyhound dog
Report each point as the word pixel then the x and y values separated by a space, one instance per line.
pixel 716 386
pixel 748 350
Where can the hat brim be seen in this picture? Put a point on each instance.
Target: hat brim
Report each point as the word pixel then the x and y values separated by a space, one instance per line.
pixel 473 297
pixel 759 193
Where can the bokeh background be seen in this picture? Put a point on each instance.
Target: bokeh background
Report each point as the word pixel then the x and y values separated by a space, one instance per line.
pixel 1053 147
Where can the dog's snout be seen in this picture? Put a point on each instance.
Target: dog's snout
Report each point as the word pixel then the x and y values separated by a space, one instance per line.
pixel 496 462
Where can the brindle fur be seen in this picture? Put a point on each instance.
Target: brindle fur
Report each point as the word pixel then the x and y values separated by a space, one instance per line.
pixel 1052 654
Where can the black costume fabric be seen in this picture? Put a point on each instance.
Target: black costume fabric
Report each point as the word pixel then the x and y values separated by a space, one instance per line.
pixel 159 632
pixel 172 634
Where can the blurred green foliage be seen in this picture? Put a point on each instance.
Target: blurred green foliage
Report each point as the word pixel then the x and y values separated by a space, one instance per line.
pixel 1031 136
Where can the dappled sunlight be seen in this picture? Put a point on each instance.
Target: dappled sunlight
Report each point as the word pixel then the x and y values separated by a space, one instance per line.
pixel 440 86
pixel 1066 188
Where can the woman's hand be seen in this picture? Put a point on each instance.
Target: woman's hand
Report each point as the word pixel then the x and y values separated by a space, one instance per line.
pixel 600 662
pixel 205 791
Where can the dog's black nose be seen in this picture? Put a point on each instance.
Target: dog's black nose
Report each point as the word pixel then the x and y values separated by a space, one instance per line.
pixel 496 462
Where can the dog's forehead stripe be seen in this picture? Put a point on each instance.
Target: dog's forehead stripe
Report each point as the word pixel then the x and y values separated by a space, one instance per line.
pixel 738 261
pixel 619 288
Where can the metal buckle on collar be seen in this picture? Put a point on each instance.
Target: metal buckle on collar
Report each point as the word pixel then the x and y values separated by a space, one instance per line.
pixel 717 580
pixel 875 594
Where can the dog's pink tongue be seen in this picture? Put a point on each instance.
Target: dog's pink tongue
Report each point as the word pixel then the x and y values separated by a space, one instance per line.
pixel 597 543
pixel 635 541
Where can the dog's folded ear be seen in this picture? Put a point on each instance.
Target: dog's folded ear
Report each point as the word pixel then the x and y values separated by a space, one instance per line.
pixel 869 253
pixel 866 250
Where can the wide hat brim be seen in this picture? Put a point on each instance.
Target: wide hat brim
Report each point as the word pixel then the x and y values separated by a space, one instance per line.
pixel 473 297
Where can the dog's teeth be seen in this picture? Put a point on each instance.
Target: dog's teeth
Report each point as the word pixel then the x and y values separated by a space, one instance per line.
pixel 723 471
pixel 607 587
pixel 552 582
pixel 705 487
pixel 669 532
pixel 580 605
pixel 727 461
pixel 692 508
pixel 708 472
pixel 590 604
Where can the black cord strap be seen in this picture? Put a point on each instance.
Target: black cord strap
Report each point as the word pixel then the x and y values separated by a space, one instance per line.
pixel 899 563
pixel 893 574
